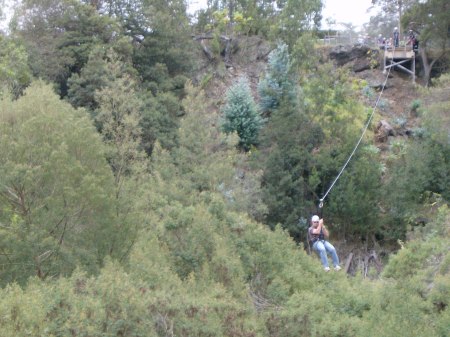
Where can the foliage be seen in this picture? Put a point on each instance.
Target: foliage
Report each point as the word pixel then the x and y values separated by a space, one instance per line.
pixel 241 114
pixel 291 137
pixel 160 34
pixel 278 83
pixel 269 18
pixel 435 116
pixel 56 187
pixel 417 285
pixel 430 20
pixel 15 75
pixel 354 201
pixel 424 160
pixel 185 253
pixel 118 116
pixel 94 76
pixel 295 18
pixel 59 36
pixel 289 166
pixel 160 114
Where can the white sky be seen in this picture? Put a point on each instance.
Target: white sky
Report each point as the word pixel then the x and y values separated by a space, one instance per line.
pixel 347 11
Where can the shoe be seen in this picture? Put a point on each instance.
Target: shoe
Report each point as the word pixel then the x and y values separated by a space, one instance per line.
pixel 337 268
pixel 326 268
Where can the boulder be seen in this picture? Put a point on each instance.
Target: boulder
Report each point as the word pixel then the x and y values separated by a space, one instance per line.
pixel 383 131
pixel 361 65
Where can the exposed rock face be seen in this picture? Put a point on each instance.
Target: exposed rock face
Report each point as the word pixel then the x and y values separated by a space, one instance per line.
pixel 359 54
pixel 361 65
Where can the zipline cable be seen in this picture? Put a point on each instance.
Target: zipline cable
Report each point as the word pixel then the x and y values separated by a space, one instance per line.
pixel 359 141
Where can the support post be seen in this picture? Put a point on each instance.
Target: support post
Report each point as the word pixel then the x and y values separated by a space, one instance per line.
pixel 347 264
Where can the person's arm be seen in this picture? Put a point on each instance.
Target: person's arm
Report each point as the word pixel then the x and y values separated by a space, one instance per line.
pixel 316 230
pixel 325 230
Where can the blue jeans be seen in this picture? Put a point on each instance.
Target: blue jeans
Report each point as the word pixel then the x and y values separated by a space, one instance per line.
pixel 322 247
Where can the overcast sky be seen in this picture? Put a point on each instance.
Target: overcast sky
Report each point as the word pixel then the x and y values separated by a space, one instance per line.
pixel 347 11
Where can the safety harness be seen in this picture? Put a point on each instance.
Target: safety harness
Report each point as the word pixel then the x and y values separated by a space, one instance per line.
pixel 313 238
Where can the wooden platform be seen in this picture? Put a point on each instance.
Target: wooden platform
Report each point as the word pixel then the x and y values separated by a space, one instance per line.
pixel 395 57
pixel 399 54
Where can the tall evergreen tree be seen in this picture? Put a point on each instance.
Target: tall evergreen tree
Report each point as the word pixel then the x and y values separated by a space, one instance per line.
pixel 288 182
pixel 96 74
pixel 241 114
pixel 278 83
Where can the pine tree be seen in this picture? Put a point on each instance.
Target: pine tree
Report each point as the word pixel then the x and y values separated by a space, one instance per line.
pixel 241 114
pixel 278 82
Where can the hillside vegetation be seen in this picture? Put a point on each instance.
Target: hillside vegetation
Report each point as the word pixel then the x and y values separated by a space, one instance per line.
pixel 157 177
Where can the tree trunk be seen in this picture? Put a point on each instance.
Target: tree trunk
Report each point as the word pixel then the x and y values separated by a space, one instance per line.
pixel 427 65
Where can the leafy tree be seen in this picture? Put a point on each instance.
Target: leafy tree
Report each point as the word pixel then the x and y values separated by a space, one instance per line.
pixel 59 36
pixel 286 18
pixel 289 166
pixel 335 109
pixel 394 7
pixel 160 114
pixel 95 74
pixel 119 116
pixel 241 114
pixel 424 160
pixel 406 300
pixel 258 13
pixel 354 201
pixel 436 104
pixel 304 55
pixel 382 23
pixel 15 74
pixel 210 160
pixel 431 20
pixel 160 33
pixel 55 188
pixel 295 18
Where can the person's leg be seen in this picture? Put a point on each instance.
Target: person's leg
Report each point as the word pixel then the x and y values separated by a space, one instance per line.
pixel 330 248
pixel 320 249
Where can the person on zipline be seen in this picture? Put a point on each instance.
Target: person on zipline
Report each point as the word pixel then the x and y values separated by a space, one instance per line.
pixel 317 234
